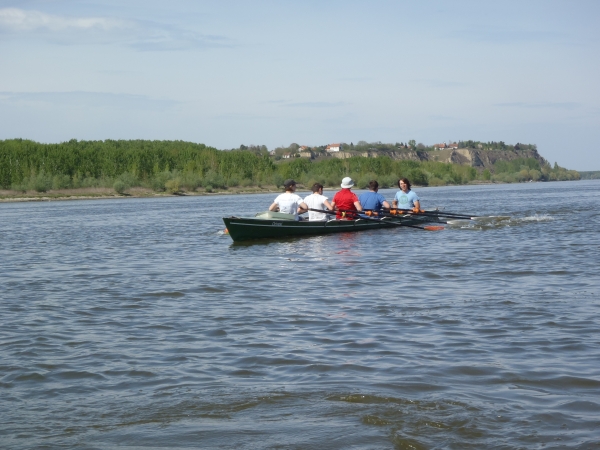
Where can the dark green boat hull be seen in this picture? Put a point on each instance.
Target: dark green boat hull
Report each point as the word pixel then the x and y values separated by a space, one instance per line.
pixel 244 228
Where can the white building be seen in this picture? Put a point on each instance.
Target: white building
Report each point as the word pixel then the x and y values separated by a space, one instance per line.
pixel 334 147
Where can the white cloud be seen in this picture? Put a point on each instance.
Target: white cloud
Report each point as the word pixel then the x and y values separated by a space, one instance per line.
pixel 68 30
pixel 19 20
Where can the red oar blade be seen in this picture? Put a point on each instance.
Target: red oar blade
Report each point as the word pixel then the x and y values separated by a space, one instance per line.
pixel 433 228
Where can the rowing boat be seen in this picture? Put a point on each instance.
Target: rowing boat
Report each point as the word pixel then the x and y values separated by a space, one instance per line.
pixel 271 224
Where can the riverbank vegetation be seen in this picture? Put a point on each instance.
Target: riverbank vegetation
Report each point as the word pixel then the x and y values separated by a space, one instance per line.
pixel 590 175
pixel 177 166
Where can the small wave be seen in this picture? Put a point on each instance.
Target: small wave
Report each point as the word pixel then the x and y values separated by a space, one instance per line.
pixel 30 377
pixel 369 399
pixel 537 218
pixel 212 289
pixel 245 373
pixel 78 375
pixel 218 332
pixel 581 406
pixel 141 373
pixel 375 420
pixel 164 294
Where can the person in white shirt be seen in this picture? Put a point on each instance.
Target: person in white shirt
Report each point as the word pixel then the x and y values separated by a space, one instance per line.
pixel 317 200
pixel 288 202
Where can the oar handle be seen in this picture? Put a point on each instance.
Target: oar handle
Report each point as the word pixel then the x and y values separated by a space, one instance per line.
pixel 333 211
pixel 326 211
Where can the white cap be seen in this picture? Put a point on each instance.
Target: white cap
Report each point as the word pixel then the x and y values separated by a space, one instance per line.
pixel 347 182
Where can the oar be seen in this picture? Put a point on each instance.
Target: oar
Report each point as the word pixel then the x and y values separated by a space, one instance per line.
pixel 399 224
pixel 429 213
pixel 357 213
pixel 394 212
pixel 381 213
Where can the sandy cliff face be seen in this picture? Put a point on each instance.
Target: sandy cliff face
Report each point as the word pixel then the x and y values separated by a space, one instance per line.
pixel 481 159
pixel 414 156
pixel 487 158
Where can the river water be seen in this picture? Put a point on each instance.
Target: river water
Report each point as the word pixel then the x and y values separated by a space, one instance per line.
pixel 137 323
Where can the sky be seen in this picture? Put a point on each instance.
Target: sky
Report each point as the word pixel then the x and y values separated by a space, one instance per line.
pixel 227 72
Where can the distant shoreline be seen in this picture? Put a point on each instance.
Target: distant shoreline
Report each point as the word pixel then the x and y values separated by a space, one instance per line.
pixel 8 196
pixel 137 192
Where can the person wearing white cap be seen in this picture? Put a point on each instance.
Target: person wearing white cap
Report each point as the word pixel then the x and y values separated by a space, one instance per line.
pixel 288 202
pixel 346 200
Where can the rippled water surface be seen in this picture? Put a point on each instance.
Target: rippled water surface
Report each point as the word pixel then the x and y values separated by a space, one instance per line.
pixel 137 323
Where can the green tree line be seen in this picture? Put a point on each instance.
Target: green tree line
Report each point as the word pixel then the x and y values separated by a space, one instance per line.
pixel 590 175
pixel 177 165
pixel 73 164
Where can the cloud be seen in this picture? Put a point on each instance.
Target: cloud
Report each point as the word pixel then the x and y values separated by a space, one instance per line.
pixel 163 38
pixel 86 100
pixel 291 104
pixel 491 34
pixel 357 79
pixel 439 83
pixel 540 105
pixel 314 104
pixel 66 30
pixel 440 117
pixel 22 21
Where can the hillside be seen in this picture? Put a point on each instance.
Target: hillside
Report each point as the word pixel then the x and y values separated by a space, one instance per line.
pixel 477 158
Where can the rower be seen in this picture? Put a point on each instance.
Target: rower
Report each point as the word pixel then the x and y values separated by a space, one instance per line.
pixel 346 200
pixel 372 200
pixel 405 198
pixel 289 202
pixel 317 200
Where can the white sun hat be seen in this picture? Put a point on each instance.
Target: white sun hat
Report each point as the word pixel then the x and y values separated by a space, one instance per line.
pixel 347 182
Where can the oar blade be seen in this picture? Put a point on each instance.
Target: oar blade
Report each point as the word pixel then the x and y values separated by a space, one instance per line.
pixel 433 228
